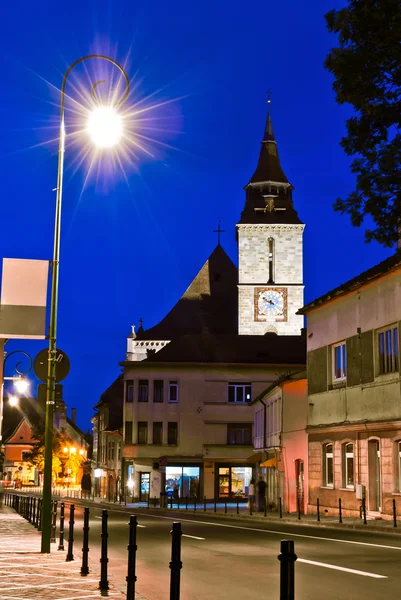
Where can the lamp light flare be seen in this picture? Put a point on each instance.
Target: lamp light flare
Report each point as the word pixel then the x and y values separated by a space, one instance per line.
pixel 105 127
pixel 13 400
pixel 21 385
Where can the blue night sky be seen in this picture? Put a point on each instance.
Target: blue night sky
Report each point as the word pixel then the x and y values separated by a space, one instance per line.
pixel 130 247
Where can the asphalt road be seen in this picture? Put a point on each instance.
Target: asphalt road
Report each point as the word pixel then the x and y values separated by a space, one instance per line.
pixel 238 559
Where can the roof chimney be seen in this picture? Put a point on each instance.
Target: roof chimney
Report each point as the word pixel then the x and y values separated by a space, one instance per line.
pixel 73 415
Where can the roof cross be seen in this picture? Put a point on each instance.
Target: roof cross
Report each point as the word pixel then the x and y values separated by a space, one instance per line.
pixel 219 230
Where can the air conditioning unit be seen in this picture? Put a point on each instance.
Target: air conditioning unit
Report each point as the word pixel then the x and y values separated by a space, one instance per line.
pixel 360 491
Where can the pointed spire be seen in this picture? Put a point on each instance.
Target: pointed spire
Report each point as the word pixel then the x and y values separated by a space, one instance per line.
pixel 269 133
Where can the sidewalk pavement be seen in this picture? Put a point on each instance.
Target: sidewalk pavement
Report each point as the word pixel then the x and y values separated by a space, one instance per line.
pixel 25 573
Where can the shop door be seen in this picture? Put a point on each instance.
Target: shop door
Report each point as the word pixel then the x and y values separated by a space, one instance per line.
pixel 374 475
pixel 299 466
pixel 144 486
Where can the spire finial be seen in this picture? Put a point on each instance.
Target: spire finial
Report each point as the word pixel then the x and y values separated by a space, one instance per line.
pixel 218 231
pixel 141 323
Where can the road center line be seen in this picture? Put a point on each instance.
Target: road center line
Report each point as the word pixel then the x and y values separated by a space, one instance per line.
pixel 144 526
pixel 194 537
pixel 281 533
pixel 337 568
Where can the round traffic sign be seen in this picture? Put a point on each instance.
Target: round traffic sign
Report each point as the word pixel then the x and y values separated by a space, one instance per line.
pixel 41 361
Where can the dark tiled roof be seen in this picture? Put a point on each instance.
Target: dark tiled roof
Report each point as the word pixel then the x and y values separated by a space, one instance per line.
pixel 113 397
pixel 209 304
pixel 223 349
pixel 390 264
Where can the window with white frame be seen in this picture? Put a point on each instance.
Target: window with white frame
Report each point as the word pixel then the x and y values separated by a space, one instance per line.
pixel 328 479
pixel 339 358
pixel 239 392
pixel 388 350
pixel 273 423
pixel 173 391
pixel 348 465
pixel 259 441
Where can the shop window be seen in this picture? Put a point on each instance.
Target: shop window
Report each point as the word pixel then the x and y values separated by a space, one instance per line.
pixel 173 391
pixel 172 433
pixel 158 390
pixel 182 482
pixel 339 361
pixel 128 432
pixel 142 432
pixel 143 390
pixel 328 479
pixel 239 434
pixel 388 350
pixel 157 432
pixel 348 465
pixel 129 390
pixel 234 482
pixel 239 392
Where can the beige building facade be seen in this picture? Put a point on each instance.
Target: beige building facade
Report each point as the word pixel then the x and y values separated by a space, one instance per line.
pixel 354 416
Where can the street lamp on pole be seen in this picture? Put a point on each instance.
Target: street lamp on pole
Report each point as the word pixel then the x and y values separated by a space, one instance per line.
pixel 20 383
pixel 105 129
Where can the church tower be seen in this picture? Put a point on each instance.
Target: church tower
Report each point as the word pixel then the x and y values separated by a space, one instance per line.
pixel 270 278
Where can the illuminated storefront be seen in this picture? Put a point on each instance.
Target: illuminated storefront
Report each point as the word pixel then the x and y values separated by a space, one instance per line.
pixel 233 481
pixel 183 481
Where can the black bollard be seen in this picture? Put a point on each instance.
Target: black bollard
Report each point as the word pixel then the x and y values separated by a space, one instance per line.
pixel 225 505
pixel 215 504
pixel 394 513
pixel 70 551
pixel 280 508
pixel 54 522
pixel 85 543
pixel 204 504
pixel 37 513
pixel 287 558
pixel 30 509
pixel 364 511
pixel 103 583
pixel 195 504
pixel 40 515
pixel 61 538
pixel 175 563
pixel 149 499
pixel 132 548
pixel 34 512
pixel 265 503
pixel 340 512
pixel 237 505
pixel 186 502
pixel 318 509
pixel 299 508
pixel 250 507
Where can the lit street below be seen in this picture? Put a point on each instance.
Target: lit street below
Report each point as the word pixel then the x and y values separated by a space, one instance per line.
pixel 224 558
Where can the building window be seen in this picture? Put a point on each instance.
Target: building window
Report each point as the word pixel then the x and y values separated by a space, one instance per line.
pixel 388 350
pixel 128 432
pixel 239 434
pixel 270 255
pixel 129 390
pixel 143 390
pixel 158 390
pixel 173 391
pixel 142 432
pixel 328 465
pixel 239 392
pixel 339 361
pixel 348 465
pixel 172 433
pixel 158 432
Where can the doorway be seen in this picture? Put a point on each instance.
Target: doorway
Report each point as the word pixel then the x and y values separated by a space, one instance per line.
pixel 374 475
pixel 144 486
pixel 299 474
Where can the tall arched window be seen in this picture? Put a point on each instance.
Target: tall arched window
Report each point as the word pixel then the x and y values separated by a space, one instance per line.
pixel 328 475
pixel 348 465
pixel 270 243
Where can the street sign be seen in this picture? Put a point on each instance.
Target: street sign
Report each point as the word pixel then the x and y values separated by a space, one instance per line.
pixel 41 361
pixel 163 461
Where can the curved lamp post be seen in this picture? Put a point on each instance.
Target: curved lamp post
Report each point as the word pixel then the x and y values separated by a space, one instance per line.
pixel 104 118
pixel 21 379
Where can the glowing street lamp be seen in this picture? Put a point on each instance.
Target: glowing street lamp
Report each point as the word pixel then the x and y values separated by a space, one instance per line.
pixel 13 400
pixel 105 128
pixel 21 385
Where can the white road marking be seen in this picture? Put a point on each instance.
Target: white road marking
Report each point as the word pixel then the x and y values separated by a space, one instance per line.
pixel 337 568
pixel 144 526
pixel 194 537
pixel 281 533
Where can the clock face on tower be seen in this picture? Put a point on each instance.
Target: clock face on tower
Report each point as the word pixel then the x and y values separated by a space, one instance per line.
pixel 270 304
